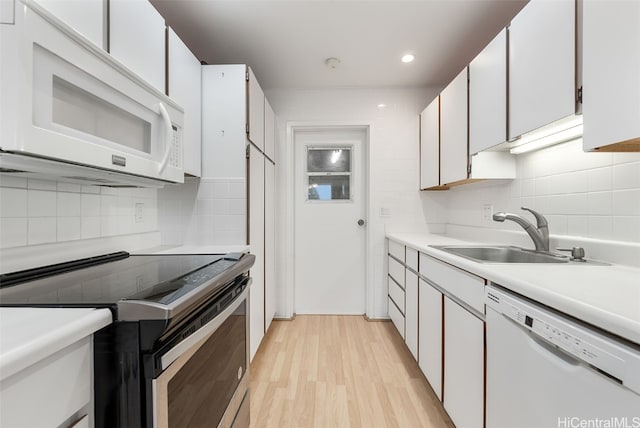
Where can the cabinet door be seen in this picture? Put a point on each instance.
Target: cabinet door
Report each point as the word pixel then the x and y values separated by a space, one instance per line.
pixel 255 111
pixel 430 335
pixel 453 130
pixel 411 313
pixel 488 96
pixel 256 246
pixel 610 67
pixel 430 145
pixel 137 39
pixel 185 87
pixel 51 391
pixel 269 131
pixel 541 65
pixel 463 366
pixel 396 316
pixel 86 17
pixel 224 124
pixel 271 294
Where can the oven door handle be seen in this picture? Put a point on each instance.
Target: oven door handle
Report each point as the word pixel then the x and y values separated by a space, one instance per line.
pixel 204 332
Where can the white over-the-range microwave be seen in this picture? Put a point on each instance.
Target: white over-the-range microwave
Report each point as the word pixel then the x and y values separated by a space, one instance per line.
pixel 71 112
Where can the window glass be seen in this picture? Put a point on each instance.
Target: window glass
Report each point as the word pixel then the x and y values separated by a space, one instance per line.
pixel 329 187
pixel 329 174
pixel 329 160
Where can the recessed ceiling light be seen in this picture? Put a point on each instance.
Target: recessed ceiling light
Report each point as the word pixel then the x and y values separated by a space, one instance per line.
pixel 381 105
pixel 408 58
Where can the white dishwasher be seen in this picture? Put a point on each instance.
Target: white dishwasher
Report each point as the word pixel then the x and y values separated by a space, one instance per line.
pixel 547 370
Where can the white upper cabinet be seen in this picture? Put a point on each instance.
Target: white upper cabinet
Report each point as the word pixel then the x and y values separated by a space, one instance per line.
pixel 137 39
pixel 256 111
pixel 430 145
pixel 185 88
pixel 611 74
pixel 86 17
pixel 453 130
pixel 269 131
pixel 7 12
pixel 224 124
pixel 488 96
pixel 542 65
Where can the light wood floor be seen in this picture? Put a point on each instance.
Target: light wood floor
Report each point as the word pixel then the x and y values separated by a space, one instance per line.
pixel 339 371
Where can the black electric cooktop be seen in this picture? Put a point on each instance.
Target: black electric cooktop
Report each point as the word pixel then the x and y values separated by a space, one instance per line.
pixel 96 282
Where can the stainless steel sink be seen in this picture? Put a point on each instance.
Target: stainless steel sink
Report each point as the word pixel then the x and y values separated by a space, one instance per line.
pixel 502 254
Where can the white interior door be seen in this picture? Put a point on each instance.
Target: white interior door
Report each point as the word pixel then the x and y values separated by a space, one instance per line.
pixel 330 203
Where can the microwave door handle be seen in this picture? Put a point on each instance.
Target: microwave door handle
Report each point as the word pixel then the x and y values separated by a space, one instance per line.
pixel 168 131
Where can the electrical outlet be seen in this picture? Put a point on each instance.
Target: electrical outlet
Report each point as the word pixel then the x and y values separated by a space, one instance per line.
pixel 487 212
pixel 139 212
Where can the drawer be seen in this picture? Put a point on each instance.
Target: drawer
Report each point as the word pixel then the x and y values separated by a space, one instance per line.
pixel 396 250
pixel 396 270
pixel 397 318
pixel 397 294
pixel 466 287
pixel 412 259
pixel 50 391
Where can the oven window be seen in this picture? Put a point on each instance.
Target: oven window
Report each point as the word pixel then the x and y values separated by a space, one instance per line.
pixel 199 393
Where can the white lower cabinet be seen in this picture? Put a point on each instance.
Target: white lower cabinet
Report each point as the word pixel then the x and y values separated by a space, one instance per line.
pixel 396 316
pixel 54 392
pixel 430 335
pixel 411 312
pixel 463 366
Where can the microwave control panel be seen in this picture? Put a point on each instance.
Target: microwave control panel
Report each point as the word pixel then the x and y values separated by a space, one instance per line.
pixel 175 159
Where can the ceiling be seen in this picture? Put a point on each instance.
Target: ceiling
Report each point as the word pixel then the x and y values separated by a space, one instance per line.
pixel 287 42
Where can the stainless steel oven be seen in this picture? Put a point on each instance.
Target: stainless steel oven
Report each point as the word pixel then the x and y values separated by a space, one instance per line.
pixel 203 380
pixel 176 355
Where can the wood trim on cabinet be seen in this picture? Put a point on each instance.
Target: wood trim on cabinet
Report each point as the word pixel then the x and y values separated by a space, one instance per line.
pixel 248 190
pixel 484 388
pixel 632 145
pixel 442 349
pixel 439 146
pixel 506 83
pixel 469 166
pixel 107 23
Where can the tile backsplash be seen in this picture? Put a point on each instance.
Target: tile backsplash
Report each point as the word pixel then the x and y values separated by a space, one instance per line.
pixel 591 195
pixel 203 211
pixel 34 212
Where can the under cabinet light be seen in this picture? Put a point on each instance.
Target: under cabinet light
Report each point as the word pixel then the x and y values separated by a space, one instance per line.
pixel 560 132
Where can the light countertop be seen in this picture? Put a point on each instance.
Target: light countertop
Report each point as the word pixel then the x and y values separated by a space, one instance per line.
pixel 29 335
pixel 607 297
pixel 195 249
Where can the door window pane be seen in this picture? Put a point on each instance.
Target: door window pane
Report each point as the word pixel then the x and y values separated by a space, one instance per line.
pixel 329 173
pixel 329 160
pixel 329 187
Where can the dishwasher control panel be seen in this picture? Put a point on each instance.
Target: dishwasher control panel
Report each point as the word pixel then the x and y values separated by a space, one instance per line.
pixel 609 356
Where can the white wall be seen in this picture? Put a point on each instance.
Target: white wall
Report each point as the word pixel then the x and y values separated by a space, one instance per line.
pixel 44 222
pixel 394 165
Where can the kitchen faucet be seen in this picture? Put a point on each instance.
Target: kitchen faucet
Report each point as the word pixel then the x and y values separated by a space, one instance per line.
pixel 539 234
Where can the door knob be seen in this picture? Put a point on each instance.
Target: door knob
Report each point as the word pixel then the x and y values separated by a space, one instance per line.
pixel 361 222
